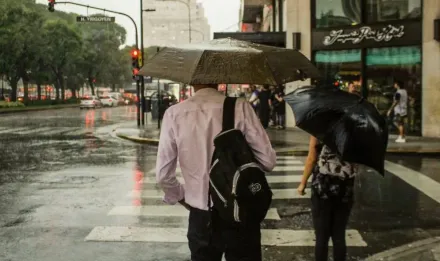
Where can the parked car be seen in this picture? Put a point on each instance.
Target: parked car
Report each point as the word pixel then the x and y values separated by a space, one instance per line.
pixel 109 101
pixel 118 97
pixel 90 102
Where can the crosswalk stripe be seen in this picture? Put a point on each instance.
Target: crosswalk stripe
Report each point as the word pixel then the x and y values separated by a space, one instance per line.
pixel 33 130
pixel 171 211
pixel 57 130
pixel 270 179
pixel 276 169
pixel 285 157
pixel 269 237
pixel 277 194
pixel 79 131
pixel 14 130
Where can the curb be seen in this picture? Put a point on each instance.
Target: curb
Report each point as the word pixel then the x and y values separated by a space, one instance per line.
pixel 139 140
pixel 31 109
pixel 407 250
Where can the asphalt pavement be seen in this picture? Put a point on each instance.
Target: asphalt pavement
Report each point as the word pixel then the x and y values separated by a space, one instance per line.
pixel 70 190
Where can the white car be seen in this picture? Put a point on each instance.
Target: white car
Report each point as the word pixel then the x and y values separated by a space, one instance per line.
pixel 90 102
pixel 109 101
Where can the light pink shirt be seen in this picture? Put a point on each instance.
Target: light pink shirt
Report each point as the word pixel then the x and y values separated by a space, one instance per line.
pixel 187 135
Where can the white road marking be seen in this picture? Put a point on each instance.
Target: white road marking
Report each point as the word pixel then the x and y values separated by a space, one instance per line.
pixel 276 169
pixel 34 130
pixel 277 194
pixel 419 181
pixel 57 130
pixel 269 237
pixel 270 179
pixel 285 157
pixel 14 130
pixel 171 211
pixel 78 131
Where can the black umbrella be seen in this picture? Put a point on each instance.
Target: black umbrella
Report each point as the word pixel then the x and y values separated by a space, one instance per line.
pixel 347 123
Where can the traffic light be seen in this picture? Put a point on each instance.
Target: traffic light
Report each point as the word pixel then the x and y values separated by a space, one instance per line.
pixel 135 53
pixel 51 6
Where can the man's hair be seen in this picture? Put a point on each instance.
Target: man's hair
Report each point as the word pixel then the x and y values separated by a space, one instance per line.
pixel 266 86
pixel 400 84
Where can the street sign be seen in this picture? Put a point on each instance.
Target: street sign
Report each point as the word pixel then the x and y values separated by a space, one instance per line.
pixel 94 19
pixel 148 79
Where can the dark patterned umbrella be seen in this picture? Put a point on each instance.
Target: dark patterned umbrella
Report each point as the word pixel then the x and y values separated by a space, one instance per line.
pixel 346 123
pixel 229 61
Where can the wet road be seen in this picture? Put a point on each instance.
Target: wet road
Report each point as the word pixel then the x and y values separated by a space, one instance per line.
pixel 69 191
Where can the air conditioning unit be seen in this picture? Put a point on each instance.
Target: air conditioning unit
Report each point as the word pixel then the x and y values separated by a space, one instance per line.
pixel 437 30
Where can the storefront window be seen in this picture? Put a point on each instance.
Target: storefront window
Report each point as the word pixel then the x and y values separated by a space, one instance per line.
pixel 385 10
pixel 386 65
pixel 340 67
pixel 332 13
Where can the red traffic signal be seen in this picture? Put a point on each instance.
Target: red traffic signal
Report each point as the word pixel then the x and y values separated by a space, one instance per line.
pixel 135 71
pixel 51 6
pixel 135 53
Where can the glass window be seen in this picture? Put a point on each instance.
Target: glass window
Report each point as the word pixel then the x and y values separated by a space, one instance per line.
pixel 385 10
pixel 333 13
pixel 340 67
pixel 403 64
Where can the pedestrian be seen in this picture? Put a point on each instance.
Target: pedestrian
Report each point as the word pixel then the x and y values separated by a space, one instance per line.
pixel 399 107
pixel 264 106
pixel 280 108
pixel 332 198
pixel 352 89
pixel 187 134
pixel 273 106
pixel 254 99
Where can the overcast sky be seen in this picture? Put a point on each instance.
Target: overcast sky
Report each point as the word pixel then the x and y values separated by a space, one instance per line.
pixel 222 14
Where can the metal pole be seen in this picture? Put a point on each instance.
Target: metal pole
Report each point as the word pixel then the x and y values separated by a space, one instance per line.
pixel 137 44
pixel 158 103
pixel 142 61
pixel 189 19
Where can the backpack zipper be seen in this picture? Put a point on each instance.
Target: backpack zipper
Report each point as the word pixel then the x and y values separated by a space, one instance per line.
pixel 219 194
pixel 234 182
pixel 236 211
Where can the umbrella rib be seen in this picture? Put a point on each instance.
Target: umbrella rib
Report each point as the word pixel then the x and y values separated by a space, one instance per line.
pixel 270 68
pixel 194 69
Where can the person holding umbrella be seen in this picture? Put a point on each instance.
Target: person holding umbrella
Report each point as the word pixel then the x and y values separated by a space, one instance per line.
pixel 346 130
pixel 332 198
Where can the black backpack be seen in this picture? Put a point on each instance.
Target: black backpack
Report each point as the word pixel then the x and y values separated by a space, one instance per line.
pixel 237 184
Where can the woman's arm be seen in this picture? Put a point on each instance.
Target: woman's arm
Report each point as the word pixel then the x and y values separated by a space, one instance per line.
pixel 310 164
pixel 280 99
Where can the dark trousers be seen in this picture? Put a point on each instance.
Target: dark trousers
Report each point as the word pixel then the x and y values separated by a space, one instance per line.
pixel 330 218
pixel 209 238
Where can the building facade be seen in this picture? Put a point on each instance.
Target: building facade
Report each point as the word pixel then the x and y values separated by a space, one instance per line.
pixel 169 24
pixel 371 43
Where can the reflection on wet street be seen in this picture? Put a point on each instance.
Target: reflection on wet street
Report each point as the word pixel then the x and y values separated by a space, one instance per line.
pixel 71 190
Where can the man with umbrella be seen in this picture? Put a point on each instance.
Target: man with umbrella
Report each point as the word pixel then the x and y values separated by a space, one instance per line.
pixel 189 128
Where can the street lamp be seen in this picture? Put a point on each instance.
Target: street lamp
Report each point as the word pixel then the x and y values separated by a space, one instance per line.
pixel 142 96
pixel 188 5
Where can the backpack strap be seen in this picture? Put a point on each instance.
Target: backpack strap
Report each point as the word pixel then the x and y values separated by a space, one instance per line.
pixel 229 113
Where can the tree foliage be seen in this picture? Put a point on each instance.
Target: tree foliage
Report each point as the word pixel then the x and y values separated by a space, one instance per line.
pixel 41 47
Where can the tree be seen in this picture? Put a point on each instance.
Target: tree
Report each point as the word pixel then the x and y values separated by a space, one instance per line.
pixel 64 46
pixel 19 28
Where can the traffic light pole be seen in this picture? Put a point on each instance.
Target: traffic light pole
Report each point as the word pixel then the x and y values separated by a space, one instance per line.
pixel 142 61
pixel 137 46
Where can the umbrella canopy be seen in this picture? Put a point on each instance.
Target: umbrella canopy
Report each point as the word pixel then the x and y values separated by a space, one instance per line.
pixel 229 61
pixel 348 124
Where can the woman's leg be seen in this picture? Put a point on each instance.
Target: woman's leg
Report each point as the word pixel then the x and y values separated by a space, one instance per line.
pixel 321 212
pixel 341 213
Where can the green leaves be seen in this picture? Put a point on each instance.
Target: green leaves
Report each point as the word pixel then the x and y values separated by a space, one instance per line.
pixel 41 47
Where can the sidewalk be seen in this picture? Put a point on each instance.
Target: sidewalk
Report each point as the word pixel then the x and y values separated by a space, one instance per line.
pixel 291 140
pixel 37 108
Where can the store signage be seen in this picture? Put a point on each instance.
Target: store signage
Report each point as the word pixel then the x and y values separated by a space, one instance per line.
pixel 403 33
pixel 386 34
